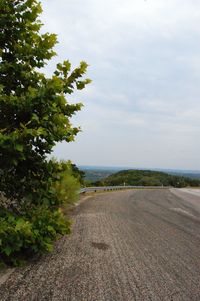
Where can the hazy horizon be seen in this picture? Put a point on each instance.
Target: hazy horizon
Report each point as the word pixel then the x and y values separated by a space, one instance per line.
pixel 100 167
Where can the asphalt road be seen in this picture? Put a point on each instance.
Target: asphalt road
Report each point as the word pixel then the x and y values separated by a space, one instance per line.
pixel 125 246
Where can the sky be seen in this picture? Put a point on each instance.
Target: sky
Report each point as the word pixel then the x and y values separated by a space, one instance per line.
pixel 143 106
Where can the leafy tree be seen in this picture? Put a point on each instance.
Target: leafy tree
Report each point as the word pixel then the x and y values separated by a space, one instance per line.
pixel 34 111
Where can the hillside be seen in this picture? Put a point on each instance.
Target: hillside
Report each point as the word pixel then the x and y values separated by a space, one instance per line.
pixel 97 173
pixel 94 175
pixel 147 178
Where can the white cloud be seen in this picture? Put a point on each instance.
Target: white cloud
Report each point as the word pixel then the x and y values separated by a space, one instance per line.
pixel 144 60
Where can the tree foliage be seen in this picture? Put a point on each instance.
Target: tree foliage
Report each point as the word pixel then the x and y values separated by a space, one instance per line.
pixel 34 111
pixel 147 178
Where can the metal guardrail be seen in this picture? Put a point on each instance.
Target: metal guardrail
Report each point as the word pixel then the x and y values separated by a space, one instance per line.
pixel 111 188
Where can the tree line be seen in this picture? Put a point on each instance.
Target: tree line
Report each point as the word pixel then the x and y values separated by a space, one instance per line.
pixel 147 178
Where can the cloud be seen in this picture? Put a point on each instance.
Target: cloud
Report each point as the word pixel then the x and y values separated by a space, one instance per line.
pixel 144 61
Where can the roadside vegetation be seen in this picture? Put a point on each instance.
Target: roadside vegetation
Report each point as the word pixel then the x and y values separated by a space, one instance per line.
pixel 146 178
pixel 34 116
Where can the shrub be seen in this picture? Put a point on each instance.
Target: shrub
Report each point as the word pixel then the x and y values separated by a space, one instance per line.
pixel 67 188
pixel 34 232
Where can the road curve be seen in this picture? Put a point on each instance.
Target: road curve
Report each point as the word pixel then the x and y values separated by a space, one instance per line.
pixel 125 246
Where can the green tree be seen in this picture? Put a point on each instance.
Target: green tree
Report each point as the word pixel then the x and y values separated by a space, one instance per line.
pixel 34 111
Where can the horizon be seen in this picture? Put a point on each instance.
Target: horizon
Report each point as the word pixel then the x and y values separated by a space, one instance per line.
pixel 98 167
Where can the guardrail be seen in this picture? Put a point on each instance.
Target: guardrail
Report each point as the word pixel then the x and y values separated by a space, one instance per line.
pixel 111 188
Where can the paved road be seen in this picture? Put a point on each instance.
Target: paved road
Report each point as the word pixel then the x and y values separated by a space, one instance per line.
pixel 195 191
pixel 125 246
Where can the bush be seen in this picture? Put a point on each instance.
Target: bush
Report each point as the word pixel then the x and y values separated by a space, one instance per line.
pixel 67 188
pixel 31 233
pixel 33 225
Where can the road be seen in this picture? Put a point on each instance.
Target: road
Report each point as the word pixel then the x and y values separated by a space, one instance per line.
pixel 125 246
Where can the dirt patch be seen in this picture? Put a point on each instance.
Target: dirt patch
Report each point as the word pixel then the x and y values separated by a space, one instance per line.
pixel 100 246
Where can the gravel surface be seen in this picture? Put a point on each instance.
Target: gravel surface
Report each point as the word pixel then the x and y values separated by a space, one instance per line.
pixel 125 246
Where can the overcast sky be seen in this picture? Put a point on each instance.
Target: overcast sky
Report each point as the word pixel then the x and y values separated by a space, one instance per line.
pixel 143 106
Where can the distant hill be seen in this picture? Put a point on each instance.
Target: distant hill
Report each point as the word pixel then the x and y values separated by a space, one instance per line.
pixel 186 174
pixel 147 178
pixel 94 174
pixel 97 173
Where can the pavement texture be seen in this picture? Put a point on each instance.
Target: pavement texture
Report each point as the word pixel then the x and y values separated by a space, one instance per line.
pixel 125 246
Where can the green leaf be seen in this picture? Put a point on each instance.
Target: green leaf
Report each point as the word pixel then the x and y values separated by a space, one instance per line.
pixel 19 147
pixel 7 250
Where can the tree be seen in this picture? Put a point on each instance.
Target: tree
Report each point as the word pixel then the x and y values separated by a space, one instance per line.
pixel 34 111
